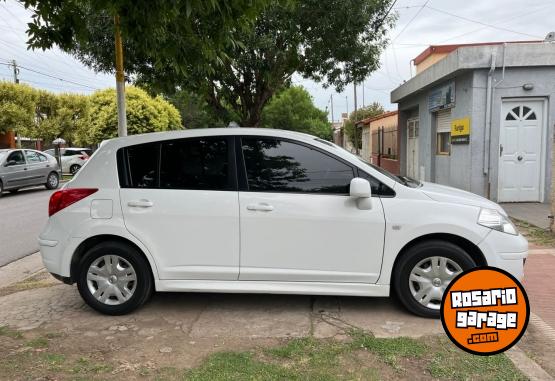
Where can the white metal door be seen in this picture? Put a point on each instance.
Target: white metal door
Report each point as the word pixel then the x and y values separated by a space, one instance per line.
pixel 180 208
pixel 412 148
pixel 521 151
pixel 298 222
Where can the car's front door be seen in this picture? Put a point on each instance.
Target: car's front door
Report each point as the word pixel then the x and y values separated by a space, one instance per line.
pixel 16 173
pixel 298 222
pixel 180 200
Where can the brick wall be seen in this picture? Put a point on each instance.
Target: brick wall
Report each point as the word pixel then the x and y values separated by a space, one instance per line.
pixel 7 140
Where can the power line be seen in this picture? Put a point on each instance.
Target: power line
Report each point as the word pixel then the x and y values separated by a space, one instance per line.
pixel 481 23
pixel 519 16
pixel 411 20
pixel 52 76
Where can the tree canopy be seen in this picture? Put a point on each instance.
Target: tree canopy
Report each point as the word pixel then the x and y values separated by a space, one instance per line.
pixel 235 54
pixel 17 108
pixel 334 42
pixel 144 114
pixel 293 109
pixel 80 119
pixel 173 35
pixel 369 111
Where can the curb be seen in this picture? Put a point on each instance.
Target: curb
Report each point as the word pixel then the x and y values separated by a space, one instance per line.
pixel 21 269
pixel 526 365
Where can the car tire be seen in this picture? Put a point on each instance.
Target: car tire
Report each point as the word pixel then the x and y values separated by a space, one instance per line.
pixel 423 272
pixel 74 169
pixel 114 278
pixel 52 181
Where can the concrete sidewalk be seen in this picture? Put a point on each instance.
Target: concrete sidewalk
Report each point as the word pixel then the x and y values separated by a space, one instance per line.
pixel 534 213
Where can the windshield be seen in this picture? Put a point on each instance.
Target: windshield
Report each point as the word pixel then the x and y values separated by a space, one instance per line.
pixel 406 181
pixel 3 155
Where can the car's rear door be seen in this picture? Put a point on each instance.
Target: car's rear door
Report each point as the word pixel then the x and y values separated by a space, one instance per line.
pixel 36 170
pixel 298 222
pixel 180 199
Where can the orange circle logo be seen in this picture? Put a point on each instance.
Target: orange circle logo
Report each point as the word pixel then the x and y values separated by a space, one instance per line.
pixel 485 311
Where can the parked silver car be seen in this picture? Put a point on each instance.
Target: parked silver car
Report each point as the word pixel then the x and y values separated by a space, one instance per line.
pixel 20 168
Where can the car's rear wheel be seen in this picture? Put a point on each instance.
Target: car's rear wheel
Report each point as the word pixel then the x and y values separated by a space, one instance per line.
pixel 423 273
pixel 114 278
pixel 52 181
pixel 74 169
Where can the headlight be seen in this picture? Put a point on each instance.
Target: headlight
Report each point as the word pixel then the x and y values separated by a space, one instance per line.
pixel 492 219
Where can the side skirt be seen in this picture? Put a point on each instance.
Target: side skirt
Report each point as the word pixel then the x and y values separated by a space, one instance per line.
pixel 261 287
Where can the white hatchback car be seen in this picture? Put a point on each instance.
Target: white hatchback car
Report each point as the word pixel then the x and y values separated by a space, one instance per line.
pixel 72 158
pixel 263 211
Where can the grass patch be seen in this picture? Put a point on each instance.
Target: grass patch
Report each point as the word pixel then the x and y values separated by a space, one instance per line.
pixel 364 357
pixel 6 331
pixel 239 366
pixel 39 342
pixel 534 234
pixel 389 350
pixel 449 362
pixel 87 367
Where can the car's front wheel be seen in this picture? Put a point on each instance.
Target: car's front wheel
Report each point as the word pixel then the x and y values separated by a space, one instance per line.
pixel 114 278
pixel 423 273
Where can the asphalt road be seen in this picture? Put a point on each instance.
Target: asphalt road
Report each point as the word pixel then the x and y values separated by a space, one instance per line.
pixel 22 217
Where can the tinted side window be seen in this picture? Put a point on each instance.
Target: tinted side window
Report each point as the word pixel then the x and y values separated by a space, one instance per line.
pixel 17 156
pixel 196 163
pixel 378 188
pixel 282 166
pixel 142 162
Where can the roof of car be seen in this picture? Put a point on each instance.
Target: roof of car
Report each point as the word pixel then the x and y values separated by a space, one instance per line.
pixel 200 132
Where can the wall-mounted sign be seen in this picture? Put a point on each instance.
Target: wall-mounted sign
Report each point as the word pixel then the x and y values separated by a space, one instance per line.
pixel 460 131
pixel 442 97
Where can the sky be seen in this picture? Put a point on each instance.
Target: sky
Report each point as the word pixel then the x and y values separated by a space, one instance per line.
pixel 420 23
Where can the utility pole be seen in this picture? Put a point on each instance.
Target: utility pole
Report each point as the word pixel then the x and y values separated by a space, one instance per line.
pixel 16 81
pixel 331 101
pixel 362 94
pixel 15 72
pixel 120 80
pixel 356 118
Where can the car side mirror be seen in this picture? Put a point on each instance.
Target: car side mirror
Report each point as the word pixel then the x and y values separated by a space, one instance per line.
pixel 361 191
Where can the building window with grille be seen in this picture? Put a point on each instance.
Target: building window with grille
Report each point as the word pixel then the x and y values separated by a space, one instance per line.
pixel 443 132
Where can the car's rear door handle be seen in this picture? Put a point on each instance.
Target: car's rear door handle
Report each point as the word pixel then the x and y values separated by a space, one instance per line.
pixel 140 204
pixel 263 207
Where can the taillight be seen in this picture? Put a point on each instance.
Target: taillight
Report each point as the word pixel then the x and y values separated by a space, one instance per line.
pixel 83 157
pixel 65 197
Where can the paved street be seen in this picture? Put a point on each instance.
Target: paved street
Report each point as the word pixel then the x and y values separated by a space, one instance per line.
pixel 22 217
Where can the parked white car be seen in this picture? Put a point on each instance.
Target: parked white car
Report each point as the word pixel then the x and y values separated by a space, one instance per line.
pixel 263 211
pixel 72 158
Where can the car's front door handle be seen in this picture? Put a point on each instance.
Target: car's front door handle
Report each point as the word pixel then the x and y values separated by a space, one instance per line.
pixel 140 204
pixel 263 207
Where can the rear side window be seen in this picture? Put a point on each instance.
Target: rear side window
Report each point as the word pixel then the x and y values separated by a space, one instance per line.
pixel 195 163
pixel 274 165
pixel 142 164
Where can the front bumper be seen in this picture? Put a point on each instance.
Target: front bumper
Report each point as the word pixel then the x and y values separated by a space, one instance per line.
pixel 505 251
